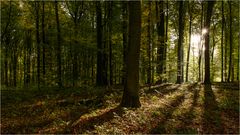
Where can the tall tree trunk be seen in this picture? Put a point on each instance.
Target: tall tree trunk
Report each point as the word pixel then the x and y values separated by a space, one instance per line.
pixel 180 43
pixel 110 41
pixel 43 41
pixel 230 66
pixel 125 37
pixel 131 87
pixel 161 43
pixel 201 47
pixel 59 69
pixel 38 42
pixel 238 65
pixel 149 44
pixel 222 42
pixel 225 52
pixel 212 55
pixel 189 42
pixel 101 76
pixel 6 66
pixel 207 26
pixel 166 44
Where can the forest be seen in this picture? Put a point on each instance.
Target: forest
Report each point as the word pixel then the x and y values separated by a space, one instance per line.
pixel 120 67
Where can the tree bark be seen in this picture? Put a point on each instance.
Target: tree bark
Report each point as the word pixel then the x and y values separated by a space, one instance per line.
pixel 110 42
pixel 43 41
pixel 201 48
pixel 38 42
pixel 161 43
pixel 149 44
pixel 189 42
pixel 180 43
pixel 131 87
pixel 59 68
pixel 222 42
pixel 207 26
pixel 230 65
pixel 101 76
pixel 125 37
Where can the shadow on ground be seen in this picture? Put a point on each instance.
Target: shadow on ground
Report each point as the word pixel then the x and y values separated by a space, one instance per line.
pixel 211 117
pixel 162 127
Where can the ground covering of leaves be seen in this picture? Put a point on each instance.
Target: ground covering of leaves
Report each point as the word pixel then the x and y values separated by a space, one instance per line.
pixel 166 108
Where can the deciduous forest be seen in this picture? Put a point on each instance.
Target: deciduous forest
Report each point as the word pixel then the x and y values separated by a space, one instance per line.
pixel 120 67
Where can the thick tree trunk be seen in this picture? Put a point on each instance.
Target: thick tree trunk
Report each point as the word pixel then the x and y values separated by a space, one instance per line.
pixel 189 42
pixel 161 43
pixel 131 87
pixel 101 76
pixel 207 58
pixel 180 43
pixel 59 62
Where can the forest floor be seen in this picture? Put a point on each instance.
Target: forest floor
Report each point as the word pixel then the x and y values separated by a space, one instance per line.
pixel 167 108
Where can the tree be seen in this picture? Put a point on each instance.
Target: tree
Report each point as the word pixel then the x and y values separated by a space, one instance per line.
pixel 38 42
pixel 210 6
pixel 161 42
pixel 189 42
pixel 149 50
pixel 59 62
pixel 180 43
pixel 230 66
pixel 110 4
pixel 101 72
pixel 223 21
pixel 125 37
pixel 131 87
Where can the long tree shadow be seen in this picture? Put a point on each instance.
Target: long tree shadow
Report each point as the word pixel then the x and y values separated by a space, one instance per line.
pixel 163 89
pixel 187 118
pixel 83 124
pixel 211 115
pixel 167 114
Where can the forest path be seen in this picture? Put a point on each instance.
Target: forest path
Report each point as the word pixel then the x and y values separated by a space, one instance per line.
pixel 167 108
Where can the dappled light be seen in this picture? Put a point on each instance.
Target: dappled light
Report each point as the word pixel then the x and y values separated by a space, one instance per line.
pixel 119 67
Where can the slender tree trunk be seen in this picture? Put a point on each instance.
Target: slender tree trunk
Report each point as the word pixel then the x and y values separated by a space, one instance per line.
pixel 222 42
pixel 230 66
pixel 207 26
pixel 161 44
pixel 189 42
pixel 131 87
pixel 59 69
pixel 201 48
pixel 6 67
pixel 238 65
pixel 14 67
pixel 38 43
pixel 166 44
pixel 212 55
pixel 125 37
pixel 180 43
pixel 110 41
pixel 43 41
pixel 225 53
pixel 149 44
